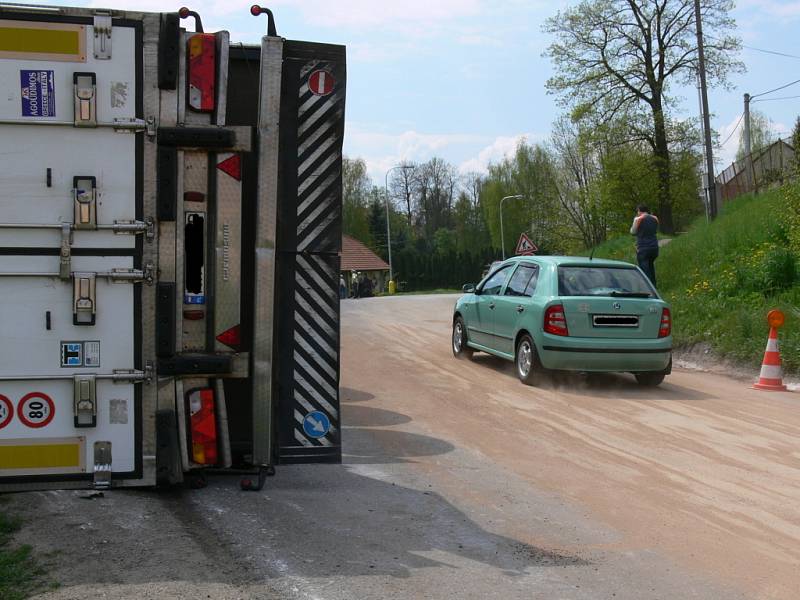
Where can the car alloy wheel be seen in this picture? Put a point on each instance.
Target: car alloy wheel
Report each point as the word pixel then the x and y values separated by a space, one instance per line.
pixel 524 359
pixel 458 337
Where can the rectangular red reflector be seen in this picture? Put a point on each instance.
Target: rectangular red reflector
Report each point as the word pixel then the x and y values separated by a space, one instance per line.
pixel 202 71
pixel 203 426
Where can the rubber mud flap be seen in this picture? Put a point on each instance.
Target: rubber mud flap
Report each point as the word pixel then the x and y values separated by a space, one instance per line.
pixel 165 319
pixel 168 461
pixel 167 184
pixel 169 51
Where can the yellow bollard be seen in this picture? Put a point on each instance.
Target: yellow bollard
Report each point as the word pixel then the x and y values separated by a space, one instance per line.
pixel 392 287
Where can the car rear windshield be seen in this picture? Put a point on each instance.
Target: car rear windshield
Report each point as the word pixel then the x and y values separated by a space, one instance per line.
pixel 603 281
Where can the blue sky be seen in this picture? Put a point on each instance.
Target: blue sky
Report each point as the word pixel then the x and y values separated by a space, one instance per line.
pixel 464 79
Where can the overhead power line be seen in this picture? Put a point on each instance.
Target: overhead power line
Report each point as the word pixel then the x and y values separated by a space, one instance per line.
pixel 764 50
pixel 780 98
pixel 775 52
pixel 735 127
pixel 783 87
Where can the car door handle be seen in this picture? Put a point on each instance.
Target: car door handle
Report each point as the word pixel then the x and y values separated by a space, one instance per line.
pixel 491 306
pixel 520 308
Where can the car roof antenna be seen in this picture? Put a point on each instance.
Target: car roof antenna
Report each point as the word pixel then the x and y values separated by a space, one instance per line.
pixel 591 254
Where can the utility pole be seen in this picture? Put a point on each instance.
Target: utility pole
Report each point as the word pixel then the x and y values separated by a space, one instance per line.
pixel 712 192
pixel 747 125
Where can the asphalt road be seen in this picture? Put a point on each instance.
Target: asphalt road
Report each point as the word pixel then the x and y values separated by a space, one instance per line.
pixel 459 482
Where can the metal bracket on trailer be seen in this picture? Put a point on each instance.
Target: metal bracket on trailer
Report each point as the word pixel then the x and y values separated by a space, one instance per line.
pixel 102 36
pixel 117 376
pixel 121 125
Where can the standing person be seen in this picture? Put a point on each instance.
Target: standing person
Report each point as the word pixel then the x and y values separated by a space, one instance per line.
pixel 342 287
pixel 645 227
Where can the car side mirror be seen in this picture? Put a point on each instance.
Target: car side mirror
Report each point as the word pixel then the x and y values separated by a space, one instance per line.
pixel 469 288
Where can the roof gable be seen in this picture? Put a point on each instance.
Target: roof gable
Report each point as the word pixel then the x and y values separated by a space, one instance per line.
pixel 357 257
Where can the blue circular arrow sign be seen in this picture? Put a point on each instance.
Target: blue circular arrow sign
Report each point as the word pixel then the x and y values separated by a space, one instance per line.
pixel 316 424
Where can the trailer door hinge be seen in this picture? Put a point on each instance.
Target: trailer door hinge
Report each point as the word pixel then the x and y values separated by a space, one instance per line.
pixel 84 298
pixel 65 257
pixel 131 227
pixel 84 197
pixel 131 275
pixel 102 36
pixel 133 125
pixel 85 400
pixel 134 375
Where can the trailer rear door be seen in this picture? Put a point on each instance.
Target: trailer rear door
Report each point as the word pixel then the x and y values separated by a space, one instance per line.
pixel 71 240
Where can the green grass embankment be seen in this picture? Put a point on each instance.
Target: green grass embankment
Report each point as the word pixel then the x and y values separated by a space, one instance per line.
pixel 722 278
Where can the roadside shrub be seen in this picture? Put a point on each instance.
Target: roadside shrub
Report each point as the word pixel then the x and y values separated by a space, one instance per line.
pixel 780 271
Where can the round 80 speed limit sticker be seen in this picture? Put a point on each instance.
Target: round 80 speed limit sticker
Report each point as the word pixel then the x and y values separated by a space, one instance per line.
pixel 36 410
pixel 6 411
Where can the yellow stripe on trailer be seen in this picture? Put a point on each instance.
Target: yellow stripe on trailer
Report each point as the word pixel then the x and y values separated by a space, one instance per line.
pixel 42 41
pixel 42 456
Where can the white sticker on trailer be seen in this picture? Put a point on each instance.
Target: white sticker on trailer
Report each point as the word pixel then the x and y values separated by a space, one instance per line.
pixel 91 354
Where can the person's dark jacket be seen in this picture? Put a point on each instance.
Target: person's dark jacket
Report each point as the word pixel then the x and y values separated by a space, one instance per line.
pixel 645 228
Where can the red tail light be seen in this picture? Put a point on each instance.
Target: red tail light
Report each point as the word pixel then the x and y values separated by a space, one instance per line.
pixel 202 51
pixel 231 337
pixel 554 320
pixel 203 426
pixel 666 324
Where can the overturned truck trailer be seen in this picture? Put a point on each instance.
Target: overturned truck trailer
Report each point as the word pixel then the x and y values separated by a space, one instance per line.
pixel 170 228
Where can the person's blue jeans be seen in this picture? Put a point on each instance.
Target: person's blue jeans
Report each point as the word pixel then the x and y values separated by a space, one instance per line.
pixel 646 259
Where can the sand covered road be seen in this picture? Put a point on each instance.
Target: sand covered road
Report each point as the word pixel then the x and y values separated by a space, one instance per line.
pixel 702 469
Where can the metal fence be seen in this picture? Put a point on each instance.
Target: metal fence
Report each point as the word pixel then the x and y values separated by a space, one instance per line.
pixel 773 164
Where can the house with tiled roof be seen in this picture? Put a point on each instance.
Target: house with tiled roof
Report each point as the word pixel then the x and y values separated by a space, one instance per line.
pixel 357 260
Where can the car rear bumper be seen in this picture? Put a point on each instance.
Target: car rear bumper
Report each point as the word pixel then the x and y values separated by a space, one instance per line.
pixel 596 354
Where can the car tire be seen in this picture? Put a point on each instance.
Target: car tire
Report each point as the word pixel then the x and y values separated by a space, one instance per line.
pixel 651 378
pixel 526 360
pixel 458 342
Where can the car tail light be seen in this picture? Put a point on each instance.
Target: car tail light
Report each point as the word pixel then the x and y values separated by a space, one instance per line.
pixel 231 337
pixel 202 53
pixel 666 324
pixel 554 320
pixel 203 426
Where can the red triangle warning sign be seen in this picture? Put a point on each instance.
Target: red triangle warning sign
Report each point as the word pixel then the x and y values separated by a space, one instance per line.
pixel 232 166
pixel 525 247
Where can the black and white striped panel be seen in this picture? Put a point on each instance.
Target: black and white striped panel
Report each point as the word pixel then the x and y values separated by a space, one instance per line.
pixel 309 357
pixel 320 134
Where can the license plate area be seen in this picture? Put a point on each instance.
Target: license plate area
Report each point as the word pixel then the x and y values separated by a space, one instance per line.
pixel 631 321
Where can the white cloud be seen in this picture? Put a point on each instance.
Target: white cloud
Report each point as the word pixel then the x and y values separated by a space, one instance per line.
pixel 502 147
pixel 770 8
pixel 382 150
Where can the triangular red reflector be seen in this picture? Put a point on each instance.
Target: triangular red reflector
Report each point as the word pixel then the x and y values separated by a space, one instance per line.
pixel 232 166
pixel 231 338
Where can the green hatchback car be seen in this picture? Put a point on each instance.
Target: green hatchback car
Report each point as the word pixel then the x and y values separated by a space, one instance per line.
pixel 567 313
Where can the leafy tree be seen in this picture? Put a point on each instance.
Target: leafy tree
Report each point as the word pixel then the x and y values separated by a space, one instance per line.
pixel 377 219
pixel 435 187
pixel 762 134
pixel 356 187
pixel 617 59
pixel 401 187
pixel 531 173
pixel 578 183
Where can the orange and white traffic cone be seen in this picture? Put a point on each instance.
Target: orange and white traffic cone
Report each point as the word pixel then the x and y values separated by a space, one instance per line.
pixel 771 378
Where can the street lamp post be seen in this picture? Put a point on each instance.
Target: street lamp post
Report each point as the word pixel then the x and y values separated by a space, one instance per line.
pixel 388 228
pixel 502 237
